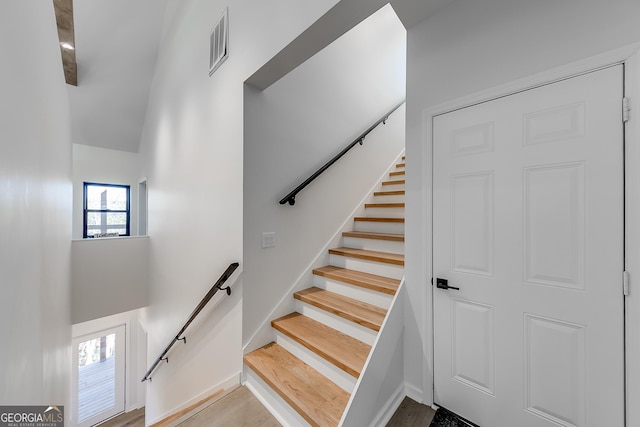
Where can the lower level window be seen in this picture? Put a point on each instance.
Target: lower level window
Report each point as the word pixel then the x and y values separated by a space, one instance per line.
pixel 106 210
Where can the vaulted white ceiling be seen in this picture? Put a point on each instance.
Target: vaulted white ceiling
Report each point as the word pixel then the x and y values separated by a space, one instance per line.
pixel 116 48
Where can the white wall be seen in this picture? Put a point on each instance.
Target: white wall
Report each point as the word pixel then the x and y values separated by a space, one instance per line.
pixel 292 129
pixel 104 166
pixel 468 47
pixel 191 151
pixel 35 210
pixel 108 276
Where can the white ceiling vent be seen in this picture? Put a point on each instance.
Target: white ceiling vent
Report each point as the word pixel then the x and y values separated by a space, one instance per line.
pixel 219 42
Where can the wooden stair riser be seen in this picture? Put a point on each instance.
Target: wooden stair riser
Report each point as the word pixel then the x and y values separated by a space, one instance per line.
pixel 372 267
pixel 366 295
pixel 379 227
pixel 344 380
pixel 283 412
pixel 373 245
pixel 345 326
pixel 384 212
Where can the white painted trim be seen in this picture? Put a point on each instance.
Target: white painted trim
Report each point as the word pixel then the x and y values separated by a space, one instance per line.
pixel 427 249
pixel 100 239
pixel 627 55
pixel 413 392
pixel 632 241
pixel 387 411
pixel 607 59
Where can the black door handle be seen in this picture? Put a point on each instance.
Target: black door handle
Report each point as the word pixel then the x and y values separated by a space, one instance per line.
pixel 444 284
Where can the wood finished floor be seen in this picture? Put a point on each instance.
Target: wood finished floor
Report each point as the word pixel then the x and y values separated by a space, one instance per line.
pixel 411 414
pixel 130 419
pixel 240 408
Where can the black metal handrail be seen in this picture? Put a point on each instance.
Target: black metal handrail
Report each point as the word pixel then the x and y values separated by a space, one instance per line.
pixel 214 289
pixel 291 197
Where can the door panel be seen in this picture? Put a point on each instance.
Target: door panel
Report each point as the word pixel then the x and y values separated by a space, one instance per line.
pixel 528 223
pixel 554 380
pixel 472 223
pixel 473 348
pixel 554 214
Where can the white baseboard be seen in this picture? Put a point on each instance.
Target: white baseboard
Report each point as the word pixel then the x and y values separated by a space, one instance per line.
pixel 227 386
pixel 414 393
pixel 392 405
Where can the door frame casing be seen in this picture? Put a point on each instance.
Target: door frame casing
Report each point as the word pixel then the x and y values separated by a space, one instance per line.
pixel 630 57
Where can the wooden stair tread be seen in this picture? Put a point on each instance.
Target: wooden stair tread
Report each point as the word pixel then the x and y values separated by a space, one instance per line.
pixel 393 182
pixel 396 173
pixel 400 165
pixel 362 313
pixel 312 395
pixel 384 205
pixel 374 236
pixel 386 257
pixel 377 219
pixel 344 351
pixel 389 193
pixel 386 285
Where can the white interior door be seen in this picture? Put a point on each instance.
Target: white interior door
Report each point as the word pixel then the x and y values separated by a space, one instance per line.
pixel 528 224
pixel 98 376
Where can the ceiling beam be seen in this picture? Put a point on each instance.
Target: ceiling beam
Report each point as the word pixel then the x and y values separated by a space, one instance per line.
pixel 66 36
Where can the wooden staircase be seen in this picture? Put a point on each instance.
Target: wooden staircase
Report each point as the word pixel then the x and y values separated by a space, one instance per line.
pixel 320 350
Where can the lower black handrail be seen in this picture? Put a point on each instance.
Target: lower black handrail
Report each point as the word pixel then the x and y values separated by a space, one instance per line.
pixel 291 197
pixel 214 289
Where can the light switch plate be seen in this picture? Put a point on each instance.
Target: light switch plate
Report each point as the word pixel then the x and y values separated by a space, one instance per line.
pixel 268 240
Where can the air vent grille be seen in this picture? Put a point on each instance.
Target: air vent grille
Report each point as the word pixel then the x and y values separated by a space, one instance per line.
pixel 219 42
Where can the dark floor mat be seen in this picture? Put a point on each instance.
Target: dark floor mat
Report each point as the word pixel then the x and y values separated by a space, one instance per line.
pixel 445 418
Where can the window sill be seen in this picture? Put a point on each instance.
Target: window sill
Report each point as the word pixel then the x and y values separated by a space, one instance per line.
pixel 99 239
